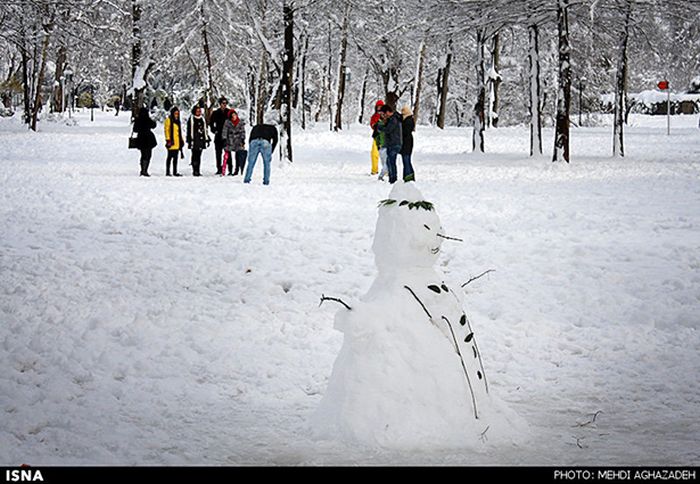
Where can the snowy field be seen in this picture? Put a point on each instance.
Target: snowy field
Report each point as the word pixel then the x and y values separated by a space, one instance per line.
pixel 169 321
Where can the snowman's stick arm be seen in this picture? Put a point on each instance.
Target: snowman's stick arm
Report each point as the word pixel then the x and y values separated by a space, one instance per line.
pixel 335 299
pixel 464 367
pixel 419 302
pixel 477 277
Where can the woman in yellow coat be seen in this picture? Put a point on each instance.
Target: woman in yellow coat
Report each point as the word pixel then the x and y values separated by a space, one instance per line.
pixel 173 140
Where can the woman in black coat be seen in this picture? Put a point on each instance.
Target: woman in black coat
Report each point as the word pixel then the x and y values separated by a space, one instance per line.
pixel 408 125
pixel 197 138
pixel 146 140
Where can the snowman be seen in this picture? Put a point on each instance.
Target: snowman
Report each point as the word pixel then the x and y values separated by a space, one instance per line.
pixel 410 373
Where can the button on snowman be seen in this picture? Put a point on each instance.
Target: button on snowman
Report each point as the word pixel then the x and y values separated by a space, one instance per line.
pixel 409 373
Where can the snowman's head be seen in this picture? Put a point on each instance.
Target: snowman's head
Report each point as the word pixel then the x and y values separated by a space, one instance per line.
pixel 407 231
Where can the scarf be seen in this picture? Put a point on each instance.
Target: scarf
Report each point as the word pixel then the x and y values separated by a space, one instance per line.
pixel 191 127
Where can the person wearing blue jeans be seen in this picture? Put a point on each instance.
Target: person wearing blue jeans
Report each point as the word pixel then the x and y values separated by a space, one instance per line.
pixel 392 138
pixel 263 140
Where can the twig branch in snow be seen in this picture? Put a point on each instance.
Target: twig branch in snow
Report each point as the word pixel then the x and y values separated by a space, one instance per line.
pixel 588 422
pixel 482 436
pixel 449 238
pixel 477 277
pixel 334 299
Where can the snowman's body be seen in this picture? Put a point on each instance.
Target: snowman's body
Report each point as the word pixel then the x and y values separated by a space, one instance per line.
pixel 409 373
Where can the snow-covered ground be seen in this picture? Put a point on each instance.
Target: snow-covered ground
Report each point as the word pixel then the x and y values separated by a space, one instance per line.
pixel 177 321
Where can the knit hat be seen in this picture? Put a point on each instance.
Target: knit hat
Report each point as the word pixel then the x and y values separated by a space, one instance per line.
pixel 378 104
pixel 406 111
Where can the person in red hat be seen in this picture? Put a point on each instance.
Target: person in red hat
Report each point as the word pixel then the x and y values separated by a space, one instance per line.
pixel 375 147
pixel 234 143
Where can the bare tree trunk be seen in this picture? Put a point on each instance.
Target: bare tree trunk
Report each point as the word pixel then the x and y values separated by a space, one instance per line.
pixel 288 78
pixel 363 96
pixel 321 97
pixel 11 73
pixel 58 94
pixel 297 71
pixel 534 91
pixel 330 77
pixel 419 80
pixel 136 52
pixel 139 68
pixel 38 101
pixel 494 82
pixel 561 137
pixel 25 78
pixel 341 71
pixel 479 106
pixel 209 94
pixel 444 87
pixel 621 86
pixel 261 96
pixel 303 82
pixel 250 92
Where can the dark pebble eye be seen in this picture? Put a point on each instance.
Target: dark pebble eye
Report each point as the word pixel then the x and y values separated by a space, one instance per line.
pixel 434 288
pixel 478 373
pixel 469 337
pixel 463 319
pixel 444 288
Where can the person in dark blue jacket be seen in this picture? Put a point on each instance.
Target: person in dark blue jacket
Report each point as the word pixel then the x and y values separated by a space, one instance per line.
pixel 393 138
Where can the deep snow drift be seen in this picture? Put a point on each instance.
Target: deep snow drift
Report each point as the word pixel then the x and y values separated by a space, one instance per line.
pixel 177 321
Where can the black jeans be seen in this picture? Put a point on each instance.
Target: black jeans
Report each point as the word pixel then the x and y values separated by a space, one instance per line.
pixel 241 156
pixel 172 156
pixel 196 161
pixel 219 148
pixel 145 159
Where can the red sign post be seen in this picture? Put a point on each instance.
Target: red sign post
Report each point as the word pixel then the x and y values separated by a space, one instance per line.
pixel 664 86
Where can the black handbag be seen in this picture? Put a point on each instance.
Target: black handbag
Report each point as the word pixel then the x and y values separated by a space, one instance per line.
pixel 133 141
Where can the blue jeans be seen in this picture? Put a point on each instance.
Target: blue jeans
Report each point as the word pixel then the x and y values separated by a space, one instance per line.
pixel 259 146
pixel 391 152
pixel 408 174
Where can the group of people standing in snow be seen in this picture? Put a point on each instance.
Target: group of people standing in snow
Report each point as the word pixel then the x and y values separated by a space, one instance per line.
pixel 229 141
pixel 392 135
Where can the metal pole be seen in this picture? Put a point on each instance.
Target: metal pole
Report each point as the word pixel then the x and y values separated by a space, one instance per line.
pixel 92 102
pixel 668 110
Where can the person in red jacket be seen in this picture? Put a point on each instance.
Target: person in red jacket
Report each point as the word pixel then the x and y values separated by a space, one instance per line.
pixel 375 146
